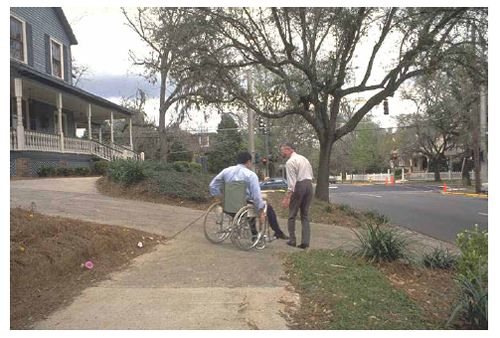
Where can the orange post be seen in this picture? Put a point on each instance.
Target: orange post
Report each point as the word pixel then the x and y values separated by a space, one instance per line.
pixel 392 180
pixel 444 187
pixel 386 181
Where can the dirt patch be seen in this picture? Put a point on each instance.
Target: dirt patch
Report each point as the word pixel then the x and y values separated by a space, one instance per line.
pixel 142 192
pixel 48 256
pixel 434 290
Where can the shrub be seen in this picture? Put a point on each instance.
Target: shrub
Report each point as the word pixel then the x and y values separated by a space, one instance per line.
pixel 472 306
pixel 376 217
pixel 328 208
pixel 473 260
pixel 46 171
pixel 126 172
pixel 181 166
pixel 195 167
pixel 82 171
pixel 439 258
pixel 472 267
pixel 191 186
pixel 101 167
pixel 348 210
pixel 153 165
pixel 64 171
pixel 381 244
pixel 398 173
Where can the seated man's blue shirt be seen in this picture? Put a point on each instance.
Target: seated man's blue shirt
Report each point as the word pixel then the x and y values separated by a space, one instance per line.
pixel 239 173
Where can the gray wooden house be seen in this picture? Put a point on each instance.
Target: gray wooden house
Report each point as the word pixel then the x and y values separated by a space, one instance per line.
pixel 45 107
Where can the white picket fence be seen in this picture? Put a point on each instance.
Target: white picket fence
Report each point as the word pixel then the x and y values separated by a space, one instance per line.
pixel 429 176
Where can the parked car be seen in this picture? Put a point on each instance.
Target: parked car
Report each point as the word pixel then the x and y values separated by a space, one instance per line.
pixel 276 183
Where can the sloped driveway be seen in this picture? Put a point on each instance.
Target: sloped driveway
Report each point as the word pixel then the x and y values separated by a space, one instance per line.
pixel 186 283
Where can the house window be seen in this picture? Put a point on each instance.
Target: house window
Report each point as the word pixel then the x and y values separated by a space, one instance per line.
pixel 56 56
pixel 204 141
pixel 17 39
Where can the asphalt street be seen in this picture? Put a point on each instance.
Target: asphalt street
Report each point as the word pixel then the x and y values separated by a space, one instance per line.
pixel 421 208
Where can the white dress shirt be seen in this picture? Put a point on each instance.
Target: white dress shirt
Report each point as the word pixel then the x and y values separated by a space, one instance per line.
pixel 298 169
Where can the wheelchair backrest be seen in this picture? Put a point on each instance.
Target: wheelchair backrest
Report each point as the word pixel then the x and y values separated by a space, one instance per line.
pixel 234 196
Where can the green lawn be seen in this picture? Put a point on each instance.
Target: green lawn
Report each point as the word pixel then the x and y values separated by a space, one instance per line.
pixel 343 292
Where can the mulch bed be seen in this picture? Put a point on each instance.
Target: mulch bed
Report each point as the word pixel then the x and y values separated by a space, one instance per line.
pixel 48 256
pixel 434 290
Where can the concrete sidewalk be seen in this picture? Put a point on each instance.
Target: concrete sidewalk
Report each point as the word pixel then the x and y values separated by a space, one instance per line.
pixel 186 283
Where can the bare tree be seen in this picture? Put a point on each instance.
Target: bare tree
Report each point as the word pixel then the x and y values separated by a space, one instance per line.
pixel 308 60
pixel 171 36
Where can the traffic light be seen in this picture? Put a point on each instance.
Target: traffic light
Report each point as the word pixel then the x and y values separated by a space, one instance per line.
pixel 261 124
pixel 386 107
pixel 257 158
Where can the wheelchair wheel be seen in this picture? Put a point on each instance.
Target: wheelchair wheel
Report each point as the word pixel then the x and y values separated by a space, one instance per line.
pixel 246 230
pixel 217 225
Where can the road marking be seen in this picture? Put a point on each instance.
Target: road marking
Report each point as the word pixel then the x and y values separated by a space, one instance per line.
pixel 481 213
pixel 378 196
pixel 334 187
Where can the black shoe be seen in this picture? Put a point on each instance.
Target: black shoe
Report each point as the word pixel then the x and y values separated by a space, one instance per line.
pixel 302 246
pixel 282 236
pixel 292 243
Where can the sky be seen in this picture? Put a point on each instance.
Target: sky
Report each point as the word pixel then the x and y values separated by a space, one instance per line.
pixel 111 74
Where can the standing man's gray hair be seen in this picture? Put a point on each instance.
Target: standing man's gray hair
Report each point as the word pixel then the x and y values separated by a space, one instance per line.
pixel 288 145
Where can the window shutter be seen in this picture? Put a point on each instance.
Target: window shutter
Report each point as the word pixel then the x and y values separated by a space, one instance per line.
pixel 29 43
pixel 48 61
pixel 66 64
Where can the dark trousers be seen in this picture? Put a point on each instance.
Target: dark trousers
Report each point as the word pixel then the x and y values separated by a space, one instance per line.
pixel 300 200
pixel 273 222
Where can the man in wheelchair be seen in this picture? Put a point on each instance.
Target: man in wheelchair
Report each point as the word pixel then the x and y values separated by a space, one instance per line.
pixel 241 173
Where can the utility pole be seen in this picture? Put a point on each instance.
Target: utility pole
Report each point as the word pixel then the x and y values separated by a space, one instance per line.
pixel 267 130
pixel 476 126
pixel 251 141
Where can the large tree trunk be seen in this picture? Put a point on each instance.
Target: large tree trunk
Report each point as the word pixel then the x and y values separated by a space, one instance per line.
pixel 437 166
pixel 322 184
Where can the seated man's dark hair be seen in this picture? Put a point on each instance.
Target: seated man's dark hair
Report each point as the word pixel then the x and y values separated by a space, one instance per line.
pixel 243 157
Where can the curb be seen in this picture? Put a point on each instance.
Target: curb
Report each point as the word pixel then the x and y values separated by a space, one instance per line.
pixel 466 194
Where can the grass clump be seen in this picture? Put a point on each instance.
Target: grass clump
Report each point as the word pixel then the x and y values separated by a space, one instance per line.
pixel 376 217
pixel 379 244
pixel 439 258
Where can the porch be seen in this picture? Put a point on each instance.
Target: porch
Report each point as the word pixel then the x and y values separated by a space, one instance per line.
pixel 48 142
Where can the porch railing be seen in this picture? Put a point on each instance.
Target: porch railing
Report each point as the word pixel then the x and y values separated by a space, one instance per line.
pixel 35 140
pixel 13 139
pixel 127 153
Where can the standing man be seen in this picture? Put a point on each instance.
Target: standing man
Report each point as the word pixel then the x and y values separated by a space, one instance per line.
pixel 299 175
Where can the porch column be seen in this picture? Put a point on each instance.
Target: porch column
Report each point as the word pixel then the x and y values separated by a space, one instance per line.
pixel 59 119
pixel 130 133
pixel 89 117
pixel 112 127
pixel 18 89
pixel 28 115
pixel 100 133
